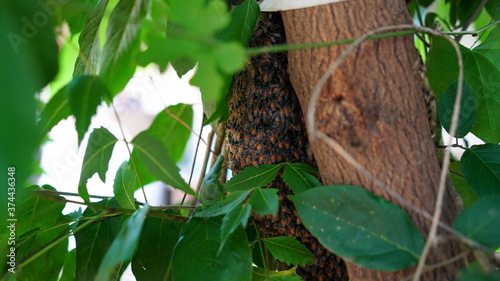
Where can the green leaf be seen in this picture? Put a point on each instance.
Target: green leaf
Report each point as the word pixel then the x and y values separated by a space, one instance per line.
pixel 242 23
pixel 252 177
pixel 261 274
pixel 195 255
pixel 29 62
pixel 461 185
pixel 238 216
pixel 87 62
pixel 29 49
pixel 96 158
pixel 298 177
pixel 68 273
pixel 125 184
pixel 481 222
pixel 189 35
pixel 154 253
pixel 74 12
pixel 84 95
pixel 481 69
pixel 360 227
pixel 211 188
pixel 182 65
pixel 154 156
pixel 123 38
pixel 39 222
pixel 124 245
pixel 54 111
pixel 481 167
pixel 34 212
pixel 265 201
pixel 165 126
pixel 225 206
pixel 93 242
pixel 289 250
pixel 467 114
pixel 156 43
pixel 47 266
pixel 474 272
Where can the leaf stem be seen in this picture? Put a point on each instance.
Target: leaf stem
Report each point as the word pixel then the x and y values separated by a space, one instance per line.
pixel 121 211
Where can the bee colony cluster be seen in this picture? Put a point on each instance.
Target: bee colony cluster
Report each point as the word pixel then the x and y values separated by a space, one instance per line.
pixel 266 126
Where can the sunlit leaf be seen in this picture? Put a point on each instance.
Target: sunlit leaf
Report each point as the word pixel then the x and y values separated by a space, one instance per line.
pixel 211 187
pixel 96 159
pixel 124 245
pixel 124 186
pixel 252 177
pixel 261 274
pixel 173 121
pixel 68 273
pixel 461 185
pixel 360 227
pixel 289 250
pixel 190 28
pixel 196 258
pixel 154 156
pixel 117 63
pixel 481 167
pixel 54 111
pixel 87 63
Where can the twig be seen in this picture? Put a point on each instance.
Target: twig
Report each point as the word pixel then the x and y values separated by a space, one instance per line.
pixel 450 145
pixel 203 167
pixel 446 162
pixel 127 144
pixel 453 172
pixel 441 264
pixel 194 159
pixel 114 210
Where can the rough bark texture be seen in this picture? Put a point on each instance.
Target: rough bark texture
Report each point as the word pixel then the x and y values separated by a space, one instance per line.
pixel 266 126
pixel 374 107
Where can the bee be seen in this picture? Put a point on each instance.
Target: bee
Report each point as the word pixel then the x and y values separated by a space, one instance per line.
pixel 262 158
pixel 273 159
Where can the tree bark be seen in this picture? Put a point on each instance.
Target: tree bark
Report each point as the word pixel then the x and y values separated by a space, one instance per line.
pixel 373 106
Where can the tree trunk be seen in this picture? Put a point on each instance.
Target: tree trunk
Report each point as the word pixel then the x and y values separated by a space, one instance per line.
pixel 373 106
